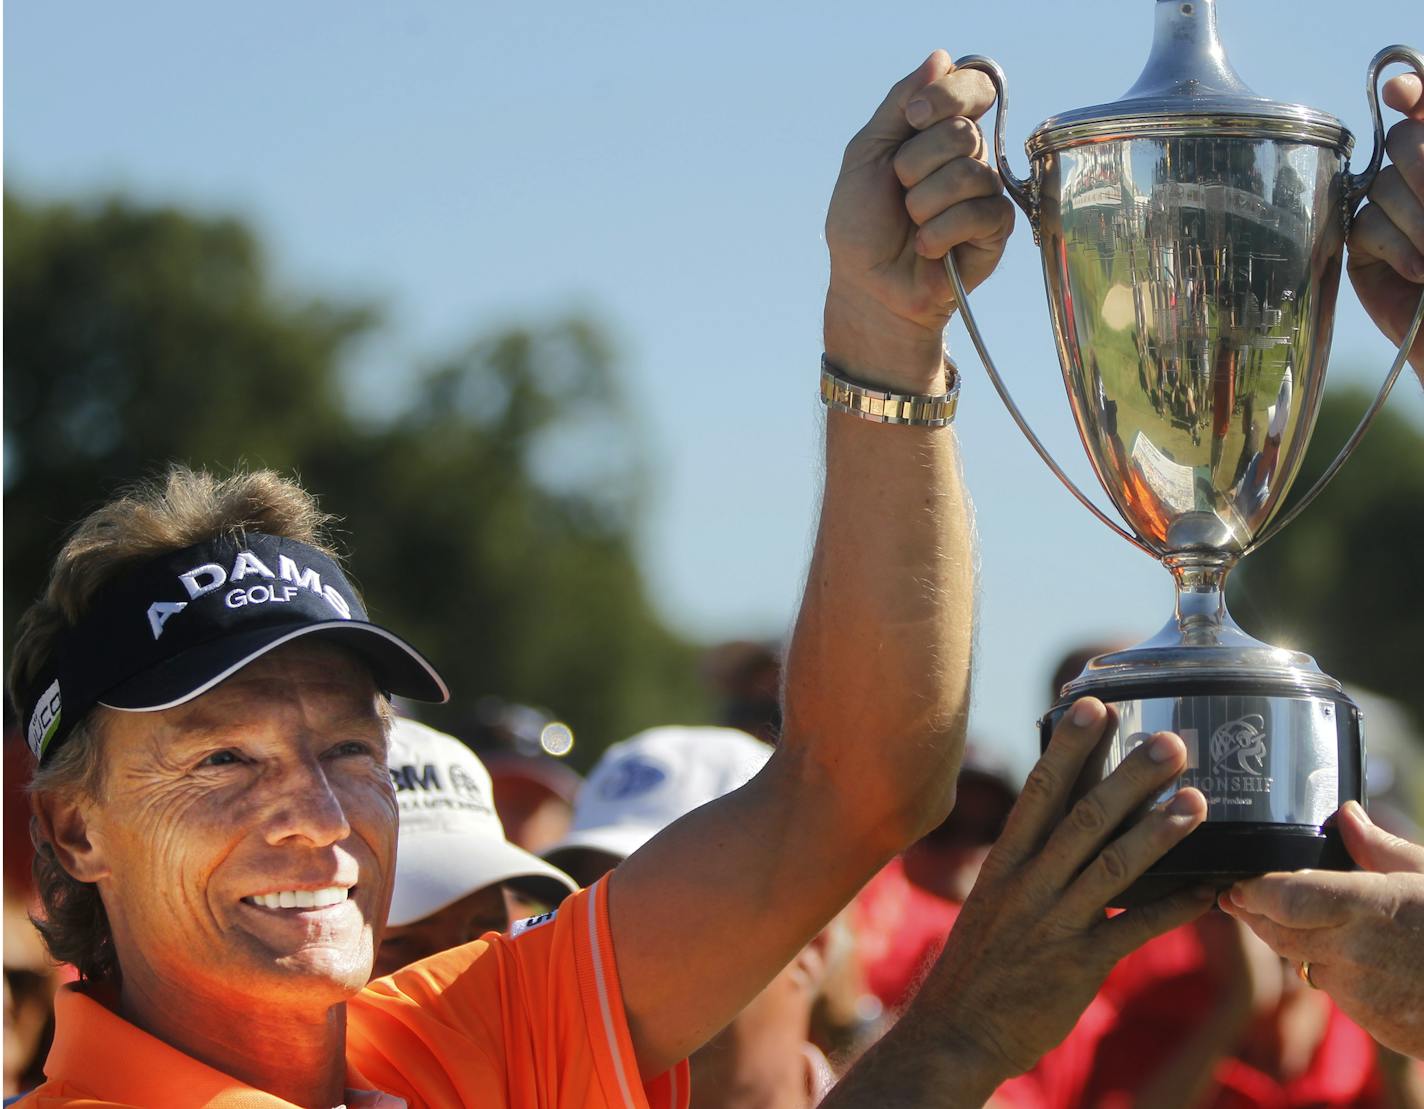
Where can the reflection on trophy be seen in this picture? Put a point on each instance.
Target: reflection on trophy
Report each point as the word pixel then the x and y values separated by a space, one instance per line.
pixel 1192 235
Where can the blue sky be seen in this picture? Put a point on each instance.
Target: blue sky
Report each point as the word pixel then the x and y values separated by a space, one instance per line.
pixel 665 167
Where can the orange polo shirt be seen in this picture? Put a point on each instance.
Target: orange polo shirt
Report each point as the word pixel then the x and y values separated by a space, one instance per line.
pixel 531 1019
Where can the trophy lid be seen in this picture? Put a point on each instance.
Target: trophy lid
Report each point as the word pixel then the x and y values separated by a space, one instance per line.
pixel 1188 87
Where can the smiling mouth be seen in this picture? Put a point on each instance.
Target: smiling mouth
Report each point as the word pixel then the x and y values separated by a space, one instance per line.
pixel 301 899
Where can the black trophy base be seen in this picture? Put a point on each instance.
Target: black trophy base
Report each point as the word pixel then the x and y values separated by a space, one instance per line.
pixel 1218 855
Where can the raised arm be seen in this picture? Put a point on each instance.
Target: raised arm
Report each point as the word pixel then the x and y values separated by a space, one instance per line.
pixel 878 673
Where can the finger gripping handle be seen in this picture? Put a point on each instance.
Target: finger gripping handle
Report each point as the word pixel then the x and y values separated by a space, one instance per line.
pixel 1020 189
pixel 1359 183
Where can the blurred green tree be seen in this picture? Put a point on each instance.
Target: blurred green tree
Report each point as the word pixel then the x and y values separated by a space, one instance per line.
pixel 490 517
pixel 1345 581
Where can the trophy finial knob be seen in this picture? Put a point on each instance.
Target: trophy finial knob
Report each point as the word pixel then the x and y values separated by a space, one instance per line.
pixel 1187 58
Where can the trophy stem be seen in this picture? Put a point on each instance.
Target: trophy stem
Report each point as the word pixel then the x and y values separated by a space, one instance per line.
pixel 1201 614
pixel 1200 644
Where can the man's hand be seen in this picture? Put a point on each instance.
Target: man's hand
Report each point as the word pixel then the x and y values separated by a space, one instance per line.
pixel 912 186
pixel 1361 932
pixel 1386 260
pixel 1033 943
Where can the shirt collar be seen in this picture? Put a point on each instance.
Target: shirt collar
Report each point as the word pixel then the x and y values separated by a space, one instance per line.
pixel 97 1051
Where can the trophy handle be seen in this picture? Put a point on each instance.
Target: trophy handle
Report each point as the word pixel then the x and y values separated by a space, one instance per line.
pixel 1354 441
pixel 1021 190
pixel 1024 195
pixel 1356 186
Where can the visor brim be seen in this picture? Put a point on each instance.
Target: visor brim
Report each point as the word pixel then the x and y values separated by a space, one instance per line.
pixel 397 667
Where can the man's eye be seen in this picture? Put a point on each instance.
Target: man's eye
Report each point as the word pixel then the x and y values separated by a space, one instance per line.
pixel 227 757
pixel 351 747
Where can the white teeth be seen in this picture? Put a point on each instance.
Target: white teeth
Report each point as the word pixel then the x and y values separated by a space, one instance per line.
pixel 301 899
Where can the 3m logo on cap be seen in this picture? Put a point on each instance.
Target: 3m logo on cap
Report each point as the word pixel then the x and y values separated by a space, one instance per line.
pixel 407 776
pixel 630 778
pixel 464 783
pixel 44 720
pixel 210 576
pixel 420 787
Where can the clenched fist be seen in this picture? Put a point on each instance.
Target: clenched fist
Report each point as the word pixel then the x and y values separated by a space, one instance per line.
pixel 1386 261
pixel 914 184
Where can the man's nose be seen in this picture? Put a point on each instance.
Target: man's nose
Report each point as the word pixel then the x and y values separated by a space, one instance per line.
pixel 306 808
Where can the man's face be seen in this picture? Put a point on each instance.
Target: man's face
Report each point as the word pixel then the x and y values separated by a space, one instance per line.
pixel 270 787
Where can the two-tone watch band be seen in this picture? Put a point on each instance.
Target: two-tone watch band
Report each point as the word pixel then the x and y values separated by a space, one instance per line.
pixel 840 394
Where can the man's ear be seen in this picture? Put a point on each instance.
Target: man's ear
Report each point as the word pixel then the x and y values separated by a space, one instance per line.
pixel 62 821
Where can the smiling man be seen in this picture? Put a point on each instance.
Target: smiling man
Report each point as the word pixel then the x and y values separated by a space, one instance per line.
pixel 216 825
pixel 214 818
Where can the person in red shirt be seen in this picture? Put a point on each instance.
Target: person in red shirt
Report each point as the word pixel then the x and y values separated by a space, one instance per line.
pixel 904 914
pixel 1207 1016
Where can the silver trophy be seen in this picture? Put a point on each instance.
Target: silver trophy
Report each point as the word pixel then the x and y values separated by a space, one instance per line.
pixel 1192 235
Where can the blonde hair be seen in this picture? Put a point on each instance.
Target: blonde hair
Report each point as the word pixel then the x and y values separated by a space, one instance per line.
pixel 177 510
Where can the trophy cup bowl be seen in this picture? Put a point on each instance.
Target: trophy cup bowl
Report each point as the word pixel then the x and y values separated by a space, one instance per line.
pixel 1192 235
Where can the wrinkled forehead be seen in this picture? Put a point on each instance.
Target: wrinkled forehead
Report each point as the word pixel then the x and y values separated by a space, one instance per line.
pixel 300 687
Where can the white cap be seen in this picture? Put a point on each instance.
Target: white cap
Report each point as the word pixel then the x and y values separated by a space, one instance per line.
pixel 451 840
pixel 643 784
pixel 1280 411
